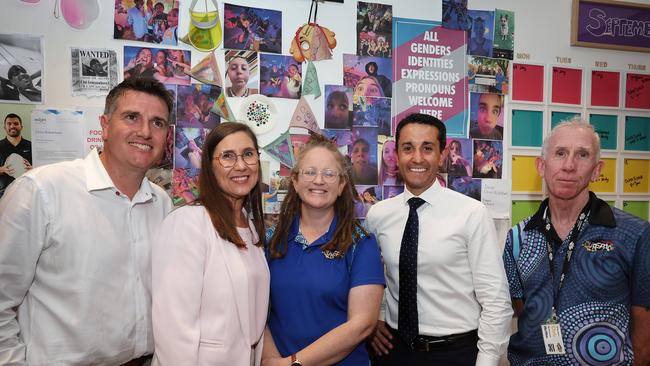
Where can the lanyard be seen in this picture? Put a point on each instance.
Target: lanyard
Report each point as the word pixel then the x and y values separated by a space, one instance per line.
pixel 577 228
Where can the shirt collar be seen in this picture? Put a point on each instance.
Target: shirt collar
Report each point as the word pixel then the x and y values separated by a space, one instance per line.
pixel 296 236
pixel 97 178
pixel 600 214
pixel 429 196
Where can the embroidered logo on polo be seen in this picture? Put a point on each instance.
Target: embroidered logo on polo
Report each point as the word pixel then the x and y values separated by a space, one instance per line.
pixel 596 246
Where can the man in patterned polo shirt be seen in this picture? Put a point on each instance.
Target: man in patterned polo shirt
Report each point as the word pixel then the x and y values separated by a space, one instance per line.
pixel 579 270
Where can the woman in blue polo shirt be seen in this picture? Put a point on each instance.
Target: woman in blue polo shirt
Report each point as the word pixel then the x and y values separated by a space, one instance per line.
pixel 327 278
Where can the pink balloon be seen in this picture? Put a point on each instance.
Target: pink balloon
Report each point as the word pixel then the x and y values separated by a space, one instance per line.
pixel 79 14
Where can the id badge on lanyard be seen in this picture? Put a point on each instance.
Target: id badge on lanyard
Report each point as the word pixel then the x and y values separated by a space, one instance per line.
pixel 551 330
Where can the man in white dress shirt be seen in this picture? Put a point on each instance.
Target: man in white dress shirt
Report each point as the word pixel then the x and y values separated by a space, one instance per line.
pixel 459 297
pixel 75 250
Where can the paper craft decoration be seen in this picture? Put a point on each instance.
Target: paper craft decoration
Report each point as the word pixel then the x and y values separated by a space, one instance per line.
pixel 636 173
pixel 637 91
pixel 637 133
pixel 17 165
pixel 566 85
pixel 205 28
pixel 605 126
pixel 527 83
pixel 303 117
pixel 312 42
pixel 259 113
pixel 222 108
pixel 524 174
pixel 605 87
pixel 281 150
pixel 606 182
pixel 79 14
pixel 311 86
pixel 637 208
pixel 207 71
pixel 527 127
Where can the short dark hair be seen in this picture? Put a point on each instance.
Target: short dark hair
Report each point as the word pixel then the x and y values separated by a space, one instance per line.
pixel 15 70
pixel 371 63
pixel 150 86
pixel 13 115
pixel 423 119
pixel 215 200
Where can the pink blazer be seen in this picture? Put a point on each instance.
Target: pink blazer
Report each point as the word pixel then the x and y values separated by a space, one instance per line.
pixel 200 295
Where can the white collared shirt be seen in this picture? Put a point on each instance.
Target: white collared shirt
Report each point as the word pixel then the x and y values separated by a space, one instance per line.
pixel 461 282
pixel 75 259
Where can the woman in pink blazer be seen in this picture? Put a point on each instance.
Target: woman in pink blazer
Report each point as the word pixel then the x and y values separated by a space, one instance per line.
pixel 210 279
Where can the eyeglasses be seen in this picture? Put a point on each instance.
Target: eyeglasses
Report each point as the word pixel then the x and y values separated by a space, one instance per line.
pixel 228 159
pixel 328 175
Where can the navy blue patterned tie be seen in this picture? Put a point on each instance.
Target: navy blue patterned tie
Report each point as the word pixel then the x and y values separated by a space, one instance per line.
pixel 407 318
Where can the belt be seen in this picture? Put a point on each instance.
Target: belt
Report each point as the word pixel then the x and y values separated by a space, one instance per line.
pixel 424 343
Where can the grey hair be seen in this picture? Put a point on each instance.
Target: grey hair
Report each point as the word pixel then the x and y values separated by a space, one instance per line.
pixel 574 123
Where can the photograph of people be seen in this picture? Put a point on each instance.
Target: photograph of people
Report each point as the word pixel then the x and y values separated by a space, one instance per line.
pixel 13 143
pixel 255 29
pixel 459 165
pixel 368 75
pixel 140 65
pixel 21 77
pixel 338 106
pixel 364 168
pixel 210 280
pixel 388 170
pixel 488 159
pixel 374 29
pixel 481 33
pixel 486 118
pixel 280 76
pixel 194 105
pixel 241 73
pixel 326 273
pixel 139 21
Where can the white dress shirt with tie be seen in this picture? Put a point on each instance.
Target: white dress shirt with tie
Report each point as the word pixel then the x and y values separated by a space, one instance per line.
pixel 461 283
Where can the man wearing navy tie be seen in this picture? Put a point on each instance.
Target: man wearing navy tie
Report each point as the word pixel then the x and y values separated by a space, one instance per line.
pixel 447 300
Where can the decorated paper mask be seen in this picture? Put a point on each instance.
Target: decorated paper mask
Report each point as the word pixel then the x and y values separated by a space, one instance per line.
pixel 313 43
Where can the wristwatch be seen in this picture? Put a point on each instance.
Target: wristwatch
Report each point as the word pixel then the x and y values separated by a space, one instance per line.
pixel 294 360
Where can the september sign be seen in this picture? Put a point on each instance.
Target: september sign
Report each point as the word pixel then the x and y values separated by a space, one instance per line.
pixel 611 24
pixel 430 73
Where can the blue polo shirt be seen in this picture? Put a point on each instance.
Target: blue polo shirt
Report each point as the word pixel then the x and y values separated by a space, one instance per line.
pixel 309 292
pixel 609 272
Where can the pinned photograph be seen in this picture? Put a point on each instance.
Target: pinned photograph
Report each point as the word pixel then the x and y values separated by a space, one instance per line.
pixel 367 75
pixel 459 157
pixel 21 65
pixel 255 29
pixel 388 170
pixel 363 155
pixel 153 22
pixel 338 106
pixel 392 191
pixel 195 105
pixel 188 148
pixel 94 71
pixel 488 159
pixel 454 14
pixel 374 29
pixel 372 112
pixel 487 75
pixel 481 33
pixel 486 116
pixel 468 186
pixel 366 197
pixel 504 35
pixel 169 66
pixel 280 76
pixel 242 76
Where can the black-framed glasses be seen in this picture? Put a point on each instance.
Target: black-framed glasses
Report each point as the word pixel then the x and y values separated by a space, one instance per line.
pixel 228 159
pixel 328 175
